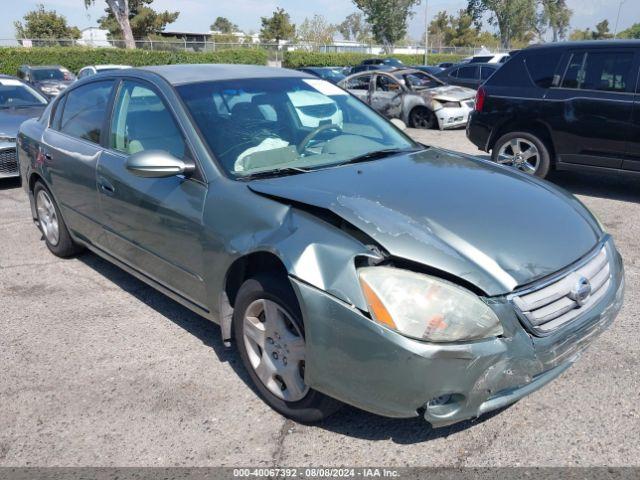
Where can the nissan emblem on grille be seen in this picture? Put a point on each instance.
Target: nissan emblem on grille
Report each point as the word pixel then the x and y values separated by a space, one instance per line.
pixel 581 291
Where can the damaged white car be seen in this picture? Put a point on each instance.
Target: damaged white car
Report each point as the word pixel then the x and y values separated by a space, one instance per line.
pixel 418 99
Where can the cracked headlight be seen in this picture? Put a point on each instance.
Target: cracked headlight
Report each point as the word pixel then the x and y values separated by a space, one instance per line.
pixel 426 308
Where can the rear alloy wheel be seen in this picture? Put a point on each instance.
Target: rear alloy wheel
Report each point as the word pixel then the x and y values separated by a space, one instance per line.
pixel 522 151
pixel 54 230
pixel 269 333
pixel 422 117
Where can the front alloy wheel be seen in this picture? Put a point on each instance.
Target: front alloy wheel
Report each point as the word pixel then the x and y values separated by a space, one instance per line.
pixel 269 333
pixel 276 349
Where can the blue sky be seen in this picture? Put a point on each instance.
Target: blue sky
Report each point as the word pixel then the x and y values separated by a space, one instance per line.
pixel 197 15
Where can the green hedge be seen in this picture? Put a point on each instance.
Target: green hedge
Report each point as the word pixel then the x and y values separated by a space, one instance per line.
pixel 74 58
pixel 298 59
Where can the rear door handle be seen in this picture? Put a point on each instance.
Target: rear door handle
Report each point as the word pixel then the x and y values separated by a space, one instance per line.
pixel 105 186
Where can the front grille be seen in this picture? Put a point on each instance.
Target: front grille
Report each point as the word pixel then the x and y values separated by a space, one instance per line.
pixel 562 301
pixel 8 162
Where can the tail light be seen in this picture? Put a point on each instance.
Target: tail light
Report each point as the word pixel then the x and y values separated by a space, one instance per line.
pixel 481 96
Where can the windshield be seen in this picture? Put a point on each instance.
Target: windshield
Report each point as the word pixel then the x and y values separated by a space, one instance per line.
pixel 42 74
pixel 16 94
pixel 269 124
pixel 330 74
pixel 419 79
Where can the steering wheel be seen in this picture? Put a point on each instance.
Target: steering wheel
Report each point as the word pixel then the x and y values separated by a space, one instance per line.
pixel 302 146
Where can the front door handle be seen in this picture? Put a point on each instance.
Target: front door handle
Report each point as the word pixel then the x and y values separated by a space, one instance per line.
pixel 105 186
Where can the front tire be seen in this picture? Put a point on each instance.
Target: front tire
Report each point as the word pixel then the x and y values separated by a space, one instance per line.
pixel 54 230
pixel 422 117
pixel 269 332
pixel 523 151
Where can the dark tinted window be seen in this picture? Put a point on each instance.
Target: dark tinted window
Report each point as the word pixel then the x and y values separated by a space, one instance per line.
pixel 486 72
pixel 469 73
pixel 481 59
pixel 542 67
pixel 359 83
pixel 85 109
pixel 606 71
pixel 57 114
pixel 141 121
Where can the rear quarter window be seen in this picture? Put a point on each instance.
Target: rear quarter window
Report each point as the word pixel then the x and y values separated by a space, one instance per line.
pixel 512 74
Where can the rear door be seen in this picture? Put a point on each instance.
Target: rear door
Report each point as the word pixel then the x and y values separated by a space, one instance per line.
pixel 71 149
pixel 386 95
pixel 632 161
pixel 593 106
pixel 152 224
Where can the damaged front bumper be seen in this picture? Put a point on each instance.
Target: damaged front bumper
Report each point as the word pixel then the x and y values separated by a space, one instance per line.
pixel 454 117
pixel 353 359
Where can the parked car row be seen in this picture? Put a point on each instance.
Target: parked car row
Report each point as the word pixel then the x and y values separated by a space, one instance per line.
pixel 348 263
pixel 26 96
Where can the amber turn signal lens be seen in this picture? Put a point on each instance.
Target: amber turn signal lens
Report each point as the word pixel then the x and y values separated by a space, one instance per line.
pixel 376 307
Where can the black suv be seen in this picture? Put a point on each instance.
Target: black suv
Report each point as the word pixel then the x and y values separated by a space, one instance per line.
pixel 569 106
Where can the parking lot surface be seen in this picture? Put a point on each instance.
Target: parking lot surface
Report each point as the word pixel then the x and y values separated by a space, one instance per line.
pixel 97 369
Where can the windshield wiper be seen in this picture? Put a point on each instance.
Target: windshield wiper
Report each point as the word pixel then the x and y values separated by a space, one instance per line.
pixel 377 154
pixel 274 173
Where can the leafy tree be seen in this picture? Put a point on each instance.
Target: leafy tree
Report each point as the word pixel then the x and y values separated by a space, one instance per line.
pixel 355 27
pixel 223 25
pixel 515 19
pixel 579 35
pixel 41 23
pixel 316 30
pixel 388 19
pixel 119 9
pixel 277 27
pixel 144 21
pixel 557 16
pixel 632 32
pixel 440 29
pixel 602 31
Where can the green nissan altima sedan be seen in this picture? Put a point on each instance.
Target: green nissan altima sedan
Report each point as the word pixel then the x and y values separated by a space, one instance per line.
pixel 346 262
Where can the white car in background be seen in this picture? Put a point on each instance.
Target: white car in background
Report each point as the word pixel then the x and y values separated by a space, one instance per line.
pixel 93 69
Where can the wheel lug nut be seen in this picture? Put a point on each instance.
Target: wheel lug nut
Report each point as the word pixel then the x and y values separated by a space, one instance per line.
pixel 270 340
pixel 275 355
pixel 284 360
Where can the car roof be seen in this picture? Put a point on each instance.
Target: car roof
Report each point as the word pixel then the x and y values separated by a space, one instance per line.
pixel 195 73
pixel 586 44
pixel 42 67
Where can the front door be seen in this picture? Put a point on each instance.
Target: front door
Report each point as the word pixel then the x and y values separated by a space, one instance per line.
pixel 152 224
pixel 386 96
pixel 632 161
pixel 591 108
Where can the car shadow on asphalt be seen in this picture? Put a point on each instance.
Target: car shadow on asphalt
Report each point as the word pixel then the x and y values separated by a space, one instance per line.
pixel 349 421
pixel 602 185
pixel 9 183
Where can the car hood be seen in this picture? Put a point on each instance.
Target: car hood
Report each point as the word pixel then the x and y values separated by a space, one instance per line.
pixel 449 93
pixel 12 118
pixel 486 224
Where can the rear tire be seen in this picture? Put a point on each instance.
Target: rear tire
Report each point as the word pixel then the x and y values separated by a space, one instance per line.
pixel 523 151
pixel 269 332
pixel 51 224
pixel 422 117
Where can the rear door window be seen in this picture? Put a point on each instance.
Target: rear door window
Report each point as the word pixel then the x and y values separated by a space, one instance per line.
pixel 469 73
pixel 600 70
pixel 85 109
pixel 486 72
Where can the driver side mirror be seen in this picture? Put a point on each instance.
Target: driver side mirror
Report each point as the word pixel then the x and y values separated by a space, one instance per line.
pixel 157 164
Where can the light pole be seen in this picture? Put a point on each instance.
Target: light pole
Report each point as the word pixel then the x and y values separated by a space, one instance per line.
pixel 615 33
pixel 426 32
